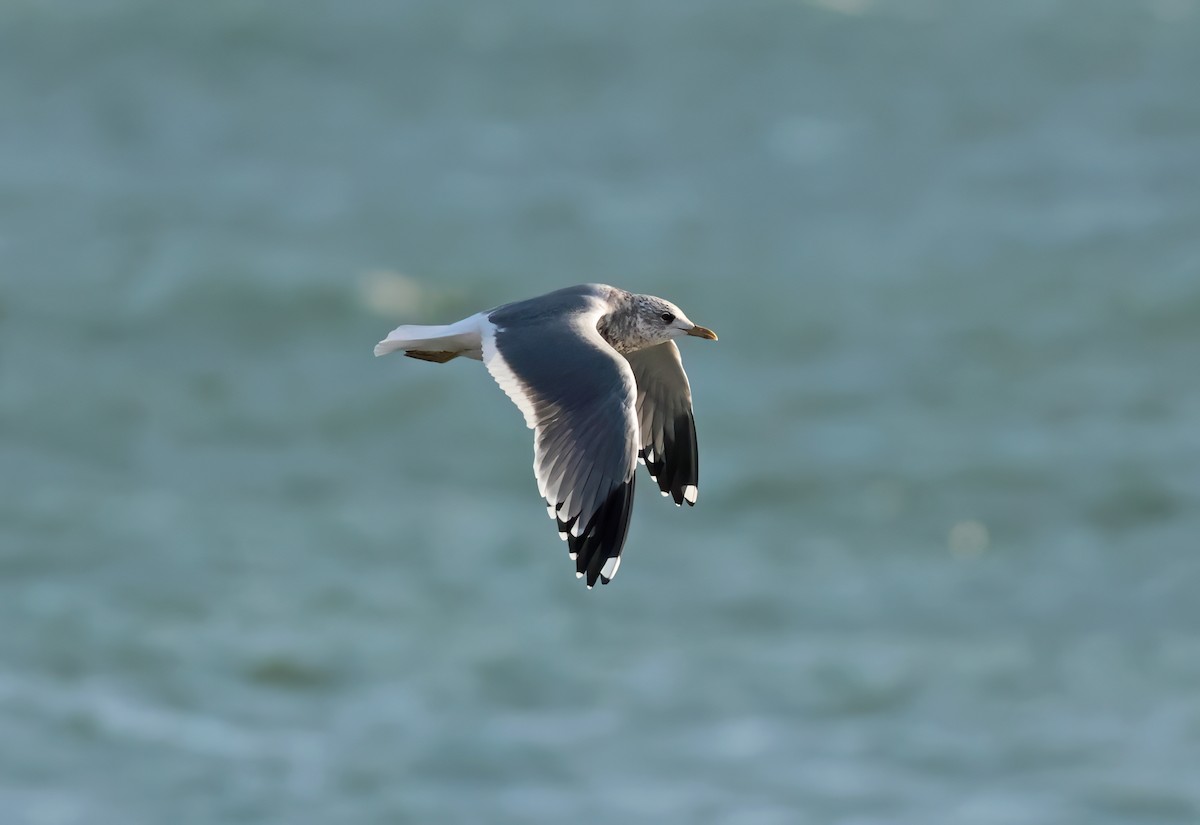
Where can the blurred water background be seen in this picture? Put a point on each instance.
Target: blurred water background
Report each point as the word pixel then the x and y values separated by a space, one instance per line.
pixel 943 568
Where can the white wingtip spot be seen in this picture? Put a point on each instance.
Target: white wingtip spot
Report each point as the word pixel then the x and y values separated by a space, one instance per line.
pixel 690 492
pixel 572 556
pixel 665 493
pixel 579 575
pixel 562 536
pixel 610 567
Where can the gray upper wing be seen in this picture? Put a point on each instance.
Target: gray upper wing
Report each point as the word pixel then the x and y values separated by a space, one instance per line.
pixel 579 396
pixel 668 430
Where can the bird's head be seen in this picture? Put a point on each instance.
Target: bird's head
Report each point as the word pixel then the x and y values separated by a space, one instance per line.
pixel 660 321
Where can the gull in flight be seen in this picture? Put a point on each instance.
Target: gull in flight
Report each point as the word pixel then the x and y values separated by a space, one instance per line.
pixel 596 373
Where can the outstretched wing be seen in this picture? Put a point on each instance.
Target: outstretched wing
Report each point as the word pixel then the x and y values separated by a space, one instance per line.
pixel 578 395
pixel 668 430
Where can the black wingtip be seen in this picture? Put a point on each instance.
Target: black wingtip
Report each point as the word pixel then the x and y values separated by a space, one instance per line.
pixel 676 466
pixel 604 535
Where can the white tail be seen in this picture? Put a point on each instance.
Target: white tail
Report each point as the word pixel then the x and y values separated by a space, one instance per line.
pixel 462 338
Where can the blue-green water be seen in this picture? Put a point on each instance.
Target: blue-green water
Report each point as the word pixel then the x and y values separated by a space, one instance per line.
pixel 944 566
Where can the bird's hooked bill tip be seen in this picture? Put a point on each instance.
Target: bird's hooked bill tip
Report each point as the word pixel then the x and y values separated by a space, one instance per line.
pixel 702 332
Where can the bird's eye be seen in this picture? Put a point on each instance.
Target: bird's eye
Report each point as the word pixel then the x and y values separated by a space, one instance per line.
pixel 667 317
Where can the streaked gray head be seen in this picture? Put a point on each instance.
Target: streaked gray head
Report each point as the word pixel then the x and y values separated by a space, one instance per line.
pixel 648 321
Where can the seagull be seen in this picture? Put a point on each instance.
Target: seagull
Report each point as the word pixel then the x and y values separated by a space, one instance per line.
pixel 596 373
